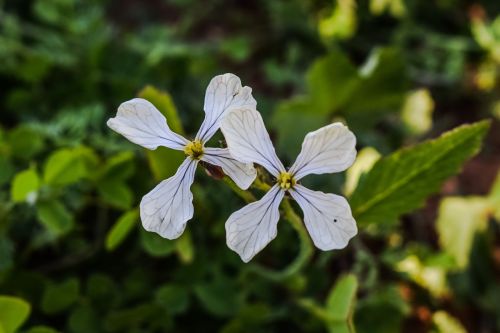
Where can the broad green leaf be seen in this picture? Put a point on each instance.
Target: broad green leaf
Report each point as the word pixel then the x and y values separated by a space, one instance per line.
pixel 382 87
pixel 142 315
pixel 118 167
pixel 459 219
pixel 58 297
pixel 365 160
pixel 84 319
pixel 25 186
pixel 24 142
pixel 54 216
pixel 68 165
pixel 400 182
pixel 102 289
pixel 116 193
pixel 382 310
pixel 121 229
pixel 331 81
pixel 417 111
pixel 219 297
pixel 250 318
pixel 155 245
pixel 13 313
pixel 340 301
pixel 174 298
pixel 445 323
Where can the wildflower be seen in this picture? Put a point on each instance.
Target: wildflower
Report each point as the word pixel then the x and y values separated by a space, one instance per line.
pixel 327 217
pixel 167 208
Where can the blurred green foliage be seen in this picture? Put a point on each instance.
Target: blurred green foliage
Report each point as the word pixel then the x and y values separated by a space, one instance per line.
pixel 73 255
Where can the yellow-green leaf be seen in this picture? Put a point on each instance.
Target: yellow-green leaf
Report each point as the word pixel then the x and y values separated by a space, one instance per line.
pixel 13 313
pixel 25 186
pixel 121 229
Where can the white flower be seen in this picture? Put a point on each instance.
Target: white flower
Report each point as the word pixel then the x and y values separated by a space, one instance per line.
pixel 327 217
pixel 166 209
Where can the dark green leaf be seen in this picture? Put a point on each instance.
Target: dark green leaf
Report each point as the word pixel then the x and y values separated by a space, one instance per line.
pixel 400 182
pixel 58 297
pixel 54 216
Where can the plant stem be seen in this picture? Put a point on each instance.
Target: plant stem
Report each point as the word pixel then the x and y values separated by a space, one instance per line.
pixel 245 195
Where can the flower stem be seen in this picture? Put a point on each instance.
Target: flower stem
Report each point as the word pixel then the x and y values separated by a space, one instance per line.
pixel 245 195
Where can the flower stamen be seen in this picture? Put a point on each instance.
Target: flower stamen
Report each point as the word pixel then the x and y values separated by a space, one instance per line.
pixel 285 180
pixel 194 149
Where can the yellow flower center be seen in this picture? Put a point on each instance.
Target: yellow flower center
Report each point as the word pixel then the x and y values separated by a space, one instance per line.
pixel 194 149
pixel 285 180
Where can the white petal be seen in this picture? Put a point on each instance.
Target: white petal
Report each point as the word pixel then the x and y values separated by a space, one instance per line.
pixel 330 149
pixel 223 93
pixel 166 209
pixel 243 174
pixel 139 121
pixel 251 228
pixel 248 140
pixel 327 217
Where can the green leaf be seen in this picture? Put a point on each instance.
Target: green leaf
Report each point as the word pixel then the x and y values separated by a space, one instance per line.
pixel 58 297
pixel 331 81
pixel 54 216
pixel 372 311
pixel 118 167
pixel 24 142
pixel 13 313
pixel 458 221
pixel 116 193
pixel 340 302
pixel 218 297
pixel 25 186
pixel 67 166
pixel 174 298
pixel 382 87
pixel 84 319
pixel 400 182
pixel 121 229
pixel 155 245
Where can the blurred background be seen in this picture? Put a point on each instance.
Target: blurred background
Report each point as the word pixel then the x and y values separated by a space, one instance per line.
pixel 73 255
